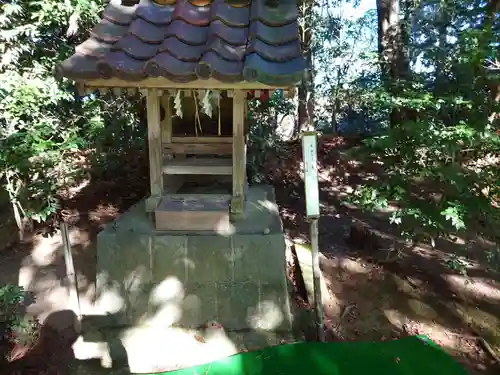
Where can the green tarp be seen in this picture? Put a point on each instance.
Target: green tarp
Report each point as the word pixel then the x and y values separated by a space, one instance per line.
pixel 408 356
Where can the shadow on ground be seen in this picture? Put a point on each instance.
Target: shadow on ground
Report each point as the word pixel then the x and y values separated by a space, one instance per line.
pixel 417 294
pixel 38 265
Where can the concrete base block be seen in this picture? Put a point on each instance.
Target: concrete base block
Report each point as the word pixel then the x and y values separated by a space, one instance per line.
pixel 170 289
pixel 190 278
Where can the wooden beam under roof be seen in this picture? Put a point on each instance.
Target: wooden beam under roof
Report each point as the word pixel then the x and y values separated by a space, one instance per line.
pixel 163 83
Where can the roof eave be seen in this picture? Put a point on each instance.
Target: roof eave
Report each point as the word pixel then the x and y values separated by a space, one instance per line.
pixel 163 83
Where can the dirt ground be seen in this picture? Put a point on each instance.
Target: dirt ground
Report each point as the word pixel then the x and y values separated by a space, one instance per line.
pixel 417 294
pixel 99 199
pixel 367 301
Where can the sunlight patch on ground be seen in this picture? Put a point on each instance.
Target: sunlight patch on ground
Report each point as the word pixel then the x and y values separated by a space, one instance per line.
pixel 154 344
pixel 341 191
pixel 486 323
pixel 47 249
pixel 74 190
pixel 153 349
pixel 26 275
pixel 48 301
pixel 288 214
pixel 185 348
pixel 477 287
pixel 425 251
pixel 87 298
pixel 103 212
pixel 353 267
pixel 436 332
pixel 90 350
pixel 325 174
pixel 422 309
pixel 43 273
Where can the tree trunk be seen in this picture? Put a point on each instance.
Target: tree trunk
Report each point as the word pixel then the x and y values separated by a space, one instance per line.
pixel 442 24
pixel 493 8
pixel 336 99
pixel 393 50
pixel 335 111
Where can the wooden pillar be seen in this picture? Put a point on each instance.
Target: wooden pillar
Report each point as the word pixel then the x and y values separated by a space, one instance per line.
pixel 166 124
pixel 239 154
pixel 155 150
pixel 247 122
pixel 171 183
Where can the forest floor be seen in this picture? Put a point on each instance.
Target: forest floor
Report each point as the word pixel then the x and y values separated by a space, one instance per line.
pixel 416 294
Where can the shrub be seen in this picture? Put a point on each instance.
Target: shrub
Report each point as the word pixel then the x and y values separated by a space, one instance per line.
pixel 16 330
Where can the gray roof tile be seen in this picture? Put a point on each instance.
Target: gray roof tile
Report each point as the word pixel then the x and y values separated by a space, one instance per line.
pixel 184 42
pixel 154 14
pixel 119 14
pixel 135 48
pixel 231 35
pixel 275 35
pixel 285 13
pixel 93 47
pixel 108 31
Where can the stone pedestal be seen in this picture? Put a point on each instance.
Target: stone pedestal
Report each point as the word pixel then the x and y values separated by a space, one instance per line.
pixel 234 276
pixel 168 300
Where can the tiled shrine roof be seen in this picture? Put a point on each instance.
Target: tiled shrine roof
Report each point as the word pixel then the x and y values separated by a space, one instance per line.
pixel 192 39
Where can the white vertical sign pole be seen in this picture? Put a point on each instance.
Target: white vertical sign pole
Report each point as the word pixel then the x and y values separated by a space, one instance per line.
pixel 309 156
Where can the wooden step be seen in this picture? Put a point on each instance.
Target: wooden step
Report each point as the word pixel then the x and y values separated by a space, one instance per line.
pixel 200 166
pixel 193 212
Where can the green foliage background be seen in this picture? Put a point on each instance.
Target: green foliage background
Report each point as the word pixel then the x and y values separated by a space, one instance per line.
pixel 45 123
pixel 441 166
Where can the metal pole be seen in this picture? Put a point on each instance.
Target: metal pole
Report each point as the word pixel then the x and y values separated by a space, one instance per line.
pixel 318 301
pixel 71 276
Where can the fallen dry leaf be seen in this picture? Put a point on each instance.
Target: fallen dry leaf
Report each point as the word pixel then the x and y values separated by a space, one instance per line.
pixel 200 339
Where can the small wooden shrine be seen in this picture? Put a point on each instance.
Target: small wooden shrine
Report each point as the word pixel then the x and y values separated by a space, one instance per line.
pixel 196 62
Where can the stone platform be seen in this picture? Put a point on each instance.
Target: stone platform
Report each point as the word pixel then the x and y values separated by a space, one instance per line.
pixel 172 287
